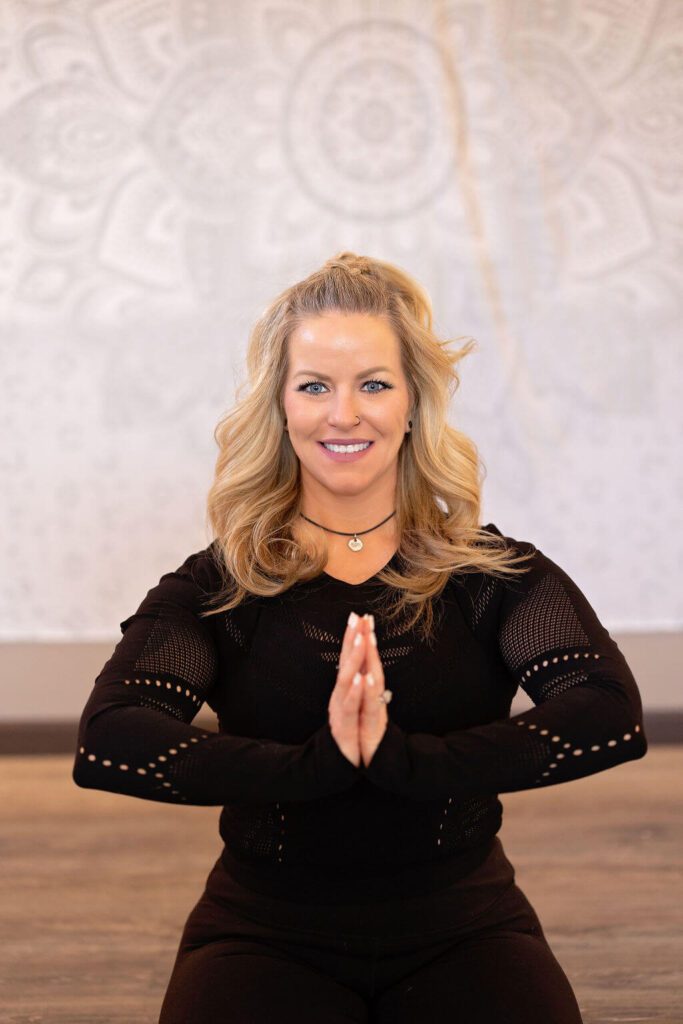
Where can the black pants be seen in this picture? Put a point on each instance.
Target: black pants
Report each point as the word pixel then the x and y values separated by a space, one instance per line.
pixel 473 953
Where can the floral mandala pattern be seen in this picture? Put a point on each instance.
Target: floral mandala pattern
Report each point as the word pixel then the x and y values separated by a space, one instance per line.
pixel 165 168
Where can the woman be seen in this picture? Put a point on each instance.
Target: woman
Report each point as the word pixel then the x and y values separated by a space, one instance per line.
pixel 360 637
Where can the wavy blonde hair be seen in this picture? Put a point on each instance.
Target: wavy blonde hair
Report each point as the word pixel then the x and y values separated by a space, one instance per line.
pixel 255 499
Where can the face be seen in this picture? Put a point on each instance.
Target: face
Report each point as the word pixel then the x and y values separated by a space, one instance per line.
pixel 345 383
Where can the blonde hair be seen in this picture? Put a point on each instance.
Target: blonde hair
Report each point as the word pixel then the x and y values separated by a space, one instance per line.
pixel 255 499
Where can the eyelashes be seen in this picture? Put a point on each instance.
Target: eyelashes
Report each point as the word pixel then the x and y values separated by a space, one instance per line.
pixel 374 380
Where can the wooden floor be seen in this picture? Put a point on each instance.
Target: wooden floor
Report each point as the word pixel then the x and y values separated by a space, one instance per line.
pixel 95 888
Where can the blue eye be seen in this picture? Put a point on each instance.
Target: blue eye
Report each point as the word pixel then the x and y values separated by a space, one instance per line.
pixel 376 391
pixel 376 381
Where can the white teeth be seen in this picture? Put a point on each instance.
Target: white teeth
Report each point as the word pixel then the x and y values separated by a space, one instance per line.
pixel 347 447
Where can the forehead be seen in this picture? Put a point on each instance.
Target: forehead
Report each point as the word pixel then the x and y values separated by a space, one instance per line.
pixel 337 335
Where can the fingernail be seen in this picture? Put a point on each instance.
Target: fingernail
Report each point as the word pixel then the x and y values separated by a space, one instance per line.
pixel 359 637
pixel 370 679
pixel 352 620
pixel 372 621
pixel 356 679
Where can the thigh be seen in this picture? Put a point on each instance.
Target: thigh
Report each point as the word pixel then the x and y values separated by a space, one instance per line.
pixel 243 982
pixel 504 978
pixel 498 969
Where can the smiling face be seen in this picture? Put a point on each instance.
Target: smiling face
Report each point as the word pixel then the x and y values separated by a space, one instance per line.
pixel 345 382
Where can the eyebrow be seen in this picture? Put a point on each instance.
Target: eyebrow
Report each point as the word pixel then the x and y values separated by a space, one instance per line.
pixel 363 373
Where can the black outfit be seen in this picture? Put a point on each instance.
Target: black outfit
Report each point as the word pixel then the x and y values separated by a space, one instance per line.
pixel 386 887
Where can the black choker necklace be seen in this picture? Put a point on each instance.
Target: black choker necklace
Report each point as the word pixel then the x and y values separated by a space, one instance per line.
pixel 355 543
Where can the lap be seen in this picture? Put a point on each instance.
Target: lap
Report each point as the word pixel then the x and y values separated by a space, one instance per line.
pixel 243 982
pixel 510 977
pixel 497 968
pixel 501 978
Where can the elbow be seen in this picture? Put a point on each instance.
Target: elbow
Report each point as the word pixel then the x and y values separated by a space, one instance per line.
pixel 85 775
pixel 619 733
pixel 85 771
pixel 640 746
pixel 79 773
pixel 622 714
pixel 632 746
pixel 82 771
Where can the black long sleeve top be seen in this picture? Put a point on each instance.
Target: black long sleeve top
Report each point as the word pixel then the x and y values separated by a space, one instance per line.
pixel 297 816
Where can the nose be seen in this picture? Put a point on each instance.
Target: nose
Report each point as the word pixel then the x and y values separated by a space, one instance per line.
pixel 343 413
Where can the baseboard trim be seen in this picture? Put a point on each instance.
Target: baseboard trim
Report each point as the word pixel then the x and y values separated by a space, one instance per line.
pixel 55 737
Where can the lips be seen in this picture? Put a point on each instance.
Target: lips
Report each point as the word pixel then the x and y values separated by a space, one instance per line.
pixel 345 443
pixel 345 456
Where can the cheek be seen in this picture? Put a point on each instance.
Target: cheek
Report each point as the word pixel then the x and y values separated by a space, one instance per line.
pixel 305 422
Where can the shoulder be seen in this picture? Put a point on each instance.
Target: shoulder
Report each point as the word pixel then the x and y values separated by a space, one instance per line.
pixel 189 586
pixel 514 543
pixel 542 577
pixel 202 568
pixel 480 592
pixel 537 565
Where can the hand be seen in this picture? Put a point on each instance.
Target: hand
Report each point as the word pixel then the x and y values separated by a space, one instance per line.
pixel 373 712
pixel 345 701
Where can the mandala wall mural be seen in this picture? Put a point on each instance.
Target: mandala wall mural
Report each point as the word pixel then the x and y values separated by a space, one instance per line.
pixel 167 167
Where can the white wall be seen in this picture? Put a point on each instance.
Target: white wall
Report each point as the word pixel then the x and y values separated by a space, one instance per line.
pixel 166 168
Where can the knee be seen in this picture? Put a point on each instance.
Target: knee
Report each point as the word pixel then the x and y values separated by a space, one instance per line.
pixel 513 977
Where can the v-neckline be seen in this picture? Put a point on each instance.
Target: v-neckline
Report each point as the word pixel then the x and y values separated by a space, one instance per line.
pixel 345 583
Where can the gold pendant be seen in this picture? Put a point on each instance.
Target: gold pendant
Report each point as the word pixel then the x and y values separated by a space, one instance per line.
pixel 355 544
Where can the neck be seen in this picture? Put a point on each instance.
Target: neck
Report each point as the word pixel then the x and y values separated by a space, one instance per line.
pixel 354 524
pixel 336 542
pixel 350 512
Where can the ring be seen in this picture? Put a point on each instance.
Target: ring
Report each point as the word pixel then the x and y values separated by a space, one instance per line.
pixel 385 696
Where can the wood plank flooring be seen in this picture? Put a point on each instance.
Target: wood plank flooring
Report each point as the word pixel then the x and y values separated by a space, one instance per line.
pixel 95 888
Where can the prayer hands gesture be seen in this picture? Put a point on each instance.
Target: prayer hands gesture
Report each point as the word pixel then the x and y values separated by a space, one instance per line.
pixel 358 718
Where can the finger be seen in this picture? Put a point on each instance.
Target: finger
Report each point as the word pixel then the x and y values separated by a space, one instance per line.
pixel 373 709
pixel 352 624
pixel 367 629
pixel 365 668
pixel 373 681
pixel 373 661
pixel 359 651
pixel 350 633
pixel 356 656
pixel 353 671
pixel 354 694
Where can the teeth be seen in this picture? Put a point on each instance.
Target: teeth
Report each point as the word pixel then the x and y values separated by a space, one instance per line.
pixel 347 447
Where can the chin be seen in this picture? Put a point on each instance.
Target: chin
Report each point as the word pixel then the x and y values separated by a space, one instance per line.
pixel 352 485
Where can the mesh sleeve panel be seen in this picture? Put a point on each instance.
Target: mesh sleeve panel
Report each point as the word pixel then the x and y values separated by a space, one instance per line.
pixel 135 735
pixel 587 717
